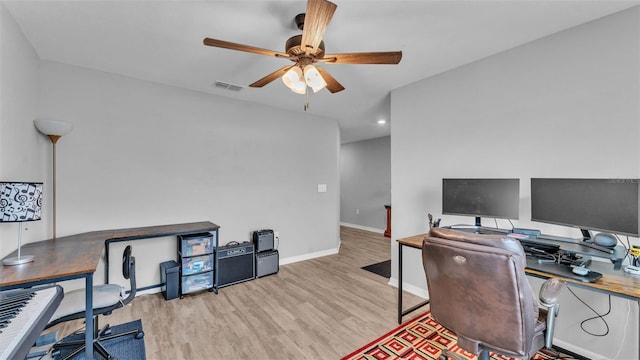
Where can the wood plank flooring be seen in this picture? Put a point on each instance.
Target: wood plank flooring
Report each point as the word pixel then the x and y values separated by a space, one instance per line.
pixel 322 308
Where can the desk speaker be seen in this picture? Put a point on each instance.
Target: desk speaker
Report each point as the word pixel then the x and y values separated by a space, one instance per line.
pixel 235 264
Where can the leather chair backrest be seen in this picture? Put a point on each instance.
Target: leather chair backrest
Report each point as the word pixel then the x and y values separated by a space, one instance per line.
pixel 478 289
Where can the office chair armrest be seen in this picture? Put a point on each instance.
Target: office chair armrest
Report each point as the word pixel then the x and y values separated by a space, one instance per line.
pixel 550 292
pixel 549 297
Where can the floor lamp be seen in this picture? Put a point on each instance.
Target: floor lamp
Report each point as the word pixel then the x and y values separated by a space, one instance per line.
pixel 20 202
pixel 54 130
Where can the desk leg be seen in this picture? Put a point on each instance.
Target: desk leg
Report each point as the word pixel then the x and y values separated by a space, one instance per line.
pixel 88 318
pixel 401 313
pixel 399 283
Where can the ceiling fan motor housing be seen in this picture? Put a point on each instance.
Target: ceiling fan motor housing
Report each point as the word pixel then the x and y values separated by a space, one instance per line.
pixel 293 47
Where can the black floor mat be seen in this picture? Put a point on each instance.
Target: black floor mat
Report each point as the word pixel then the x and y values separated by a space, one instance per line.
pixel 382 268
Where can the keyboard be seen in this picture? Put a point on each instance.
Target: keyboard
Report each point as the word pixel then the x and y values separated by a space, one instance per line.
pixel 561 270
pixel 24 313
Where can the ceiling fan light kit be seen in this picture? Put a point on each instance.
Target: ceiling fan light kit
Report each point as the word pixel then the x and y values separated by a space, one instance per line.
pixel 307 49
pixel 294 80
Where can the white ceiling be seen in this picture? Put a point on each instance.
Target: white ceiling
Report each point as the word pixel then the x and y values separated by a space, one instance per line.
pixel 161 41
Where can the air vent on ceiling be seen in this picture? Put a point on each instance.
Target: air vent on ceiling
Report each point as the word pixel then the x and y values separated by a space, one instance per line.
pixel 227 86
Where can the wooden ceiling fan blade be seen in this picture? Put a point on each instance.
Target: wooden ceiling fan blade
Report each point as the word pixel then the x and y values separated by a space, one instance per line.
pixel 388 57
pixel 269 78
pixel 241 47
pixel 316 19
pixel 332 84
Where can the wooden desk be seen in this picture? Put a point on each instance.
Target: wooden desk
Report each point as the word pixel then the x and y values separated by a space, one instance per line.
pixel 613 282
pixel 65 258
pixel 413 242
pixel 77 256
pixel 148 232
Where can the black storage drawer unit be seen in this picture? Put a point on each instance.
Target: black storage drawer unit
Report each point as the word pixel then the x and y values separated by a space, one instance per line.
pixel 196 253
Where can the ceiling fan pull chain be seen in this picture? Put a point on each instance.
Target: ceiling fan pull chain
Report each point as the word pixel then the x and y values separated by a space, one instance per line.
pixel 306 98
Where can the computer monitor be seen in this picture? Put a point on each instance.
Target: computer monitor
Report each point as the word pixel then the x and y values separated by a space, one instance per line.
pixel 494 198
pixel 607 205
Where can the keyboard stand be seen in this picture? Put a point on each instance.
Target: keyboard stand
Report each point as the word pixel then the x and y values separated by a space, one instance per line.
pixel 562 270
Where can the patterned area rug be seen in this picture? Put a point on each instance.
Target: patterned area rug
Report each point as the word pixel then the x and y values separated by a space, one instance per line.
pixel 424 338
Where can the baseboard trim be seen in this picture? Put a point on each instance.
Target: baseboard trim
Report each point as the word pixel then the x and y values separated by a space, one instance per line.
pixel 361 227
pixel 295 259
pixel 412 289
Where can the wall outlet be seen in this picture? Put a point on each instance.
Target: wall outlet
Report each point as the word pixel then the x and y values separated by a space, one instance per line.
pixel 357 211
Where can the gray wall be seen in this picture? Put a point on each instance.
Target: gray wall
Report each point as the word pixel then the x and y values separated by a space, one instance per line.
pixel 365 183
pixel 145 154
pixel 23 152
pixel 564 106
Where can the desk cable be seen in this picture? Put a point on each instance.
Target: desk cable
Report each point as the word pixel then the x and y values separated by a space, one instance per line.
pixel 598 316
pixel 627 248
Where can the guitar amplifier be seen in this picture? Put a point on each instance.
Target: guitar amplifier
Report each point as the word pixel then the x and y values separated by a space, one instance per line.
pixel 263 240
pixel 235 264
pixel 267 263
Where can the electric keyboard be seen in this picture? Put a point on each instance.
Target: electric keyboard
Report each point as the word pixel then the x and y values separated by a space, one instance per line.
pixel 23 315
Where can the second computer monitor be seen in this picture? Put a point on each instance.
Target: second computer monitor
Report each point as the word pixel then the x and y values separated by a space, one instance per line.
pixel 609 205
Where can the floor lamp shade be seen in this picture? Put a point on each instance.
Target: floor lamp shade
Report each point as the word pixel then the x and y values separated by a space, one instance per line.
pixel 20 202
pixel 53 127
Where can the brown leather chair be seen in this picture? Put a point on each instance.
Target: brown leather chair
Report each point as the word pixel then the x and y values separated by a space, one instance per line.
pixel 478 290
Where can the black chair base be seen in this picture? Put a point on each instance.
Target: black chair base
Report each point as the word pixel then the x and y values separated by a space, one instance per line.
pixel 101 335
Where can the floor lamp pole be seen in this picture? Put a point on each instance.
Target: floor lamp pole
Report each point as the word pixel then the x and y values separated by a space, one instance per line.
pixel 54 140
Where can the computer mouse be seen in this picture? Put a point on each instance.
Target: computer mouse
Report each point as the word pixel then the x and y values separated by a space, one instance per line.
pixel 605 239
pixel 579 270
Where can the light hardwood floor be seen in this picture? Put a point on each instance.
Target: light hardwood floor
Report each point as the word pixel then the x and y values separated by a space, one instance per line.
pixel 322 308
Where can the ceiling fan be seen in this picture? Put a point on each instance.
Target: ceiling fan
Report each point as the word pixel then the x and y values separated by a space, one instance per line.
pixel 307 49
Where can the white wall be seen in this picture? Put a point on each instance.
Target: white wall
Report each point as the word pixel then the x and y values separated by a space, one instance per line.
pixel 147 154
pixel 22 149
pixel 564 106
pixel 365 183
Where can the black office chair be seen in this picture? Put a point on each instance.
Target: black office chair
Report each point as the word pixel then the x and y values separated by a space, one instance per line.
pixel 106 298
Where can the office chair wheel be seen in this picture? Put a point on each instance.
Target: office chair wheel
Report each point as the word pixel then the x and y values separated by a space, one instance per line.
pixel 140 335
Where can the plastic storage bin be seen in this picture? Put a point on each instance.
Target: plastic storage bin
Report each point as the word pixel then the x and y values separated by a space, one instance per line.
pixel 169 274
pixel 197 264
pixel 196 257
pixel 197 282
pixel 196 245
